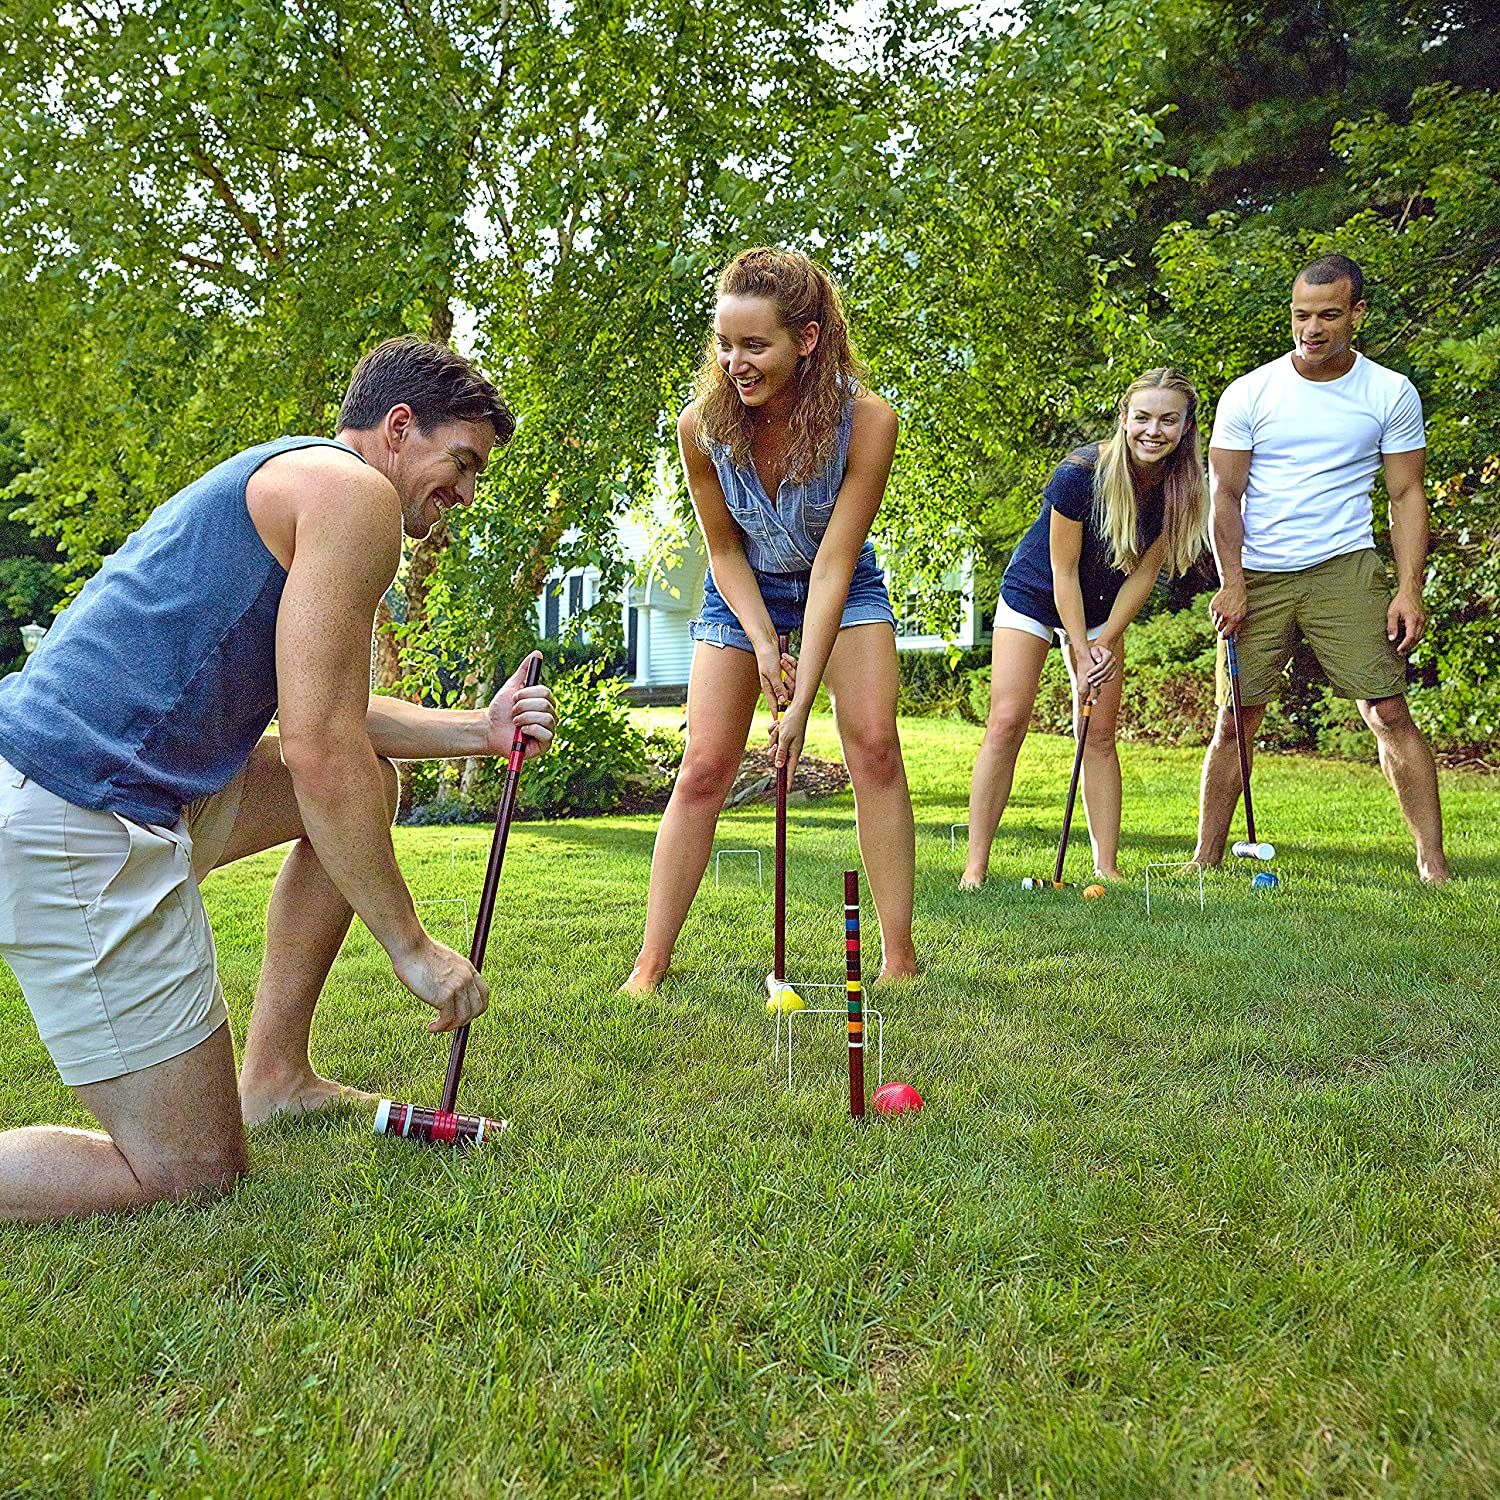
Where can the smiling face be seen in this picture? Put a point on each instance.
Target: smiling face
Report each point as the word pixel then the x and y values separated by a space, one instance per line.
pixel 1154 423
pixel 1324 317
pixel 757 352
pixel 434 471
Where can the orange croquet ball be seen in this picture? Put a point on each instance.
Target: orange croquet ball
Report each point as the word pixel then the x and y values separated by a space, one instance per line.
pixel 1092 892
pixel 896 1099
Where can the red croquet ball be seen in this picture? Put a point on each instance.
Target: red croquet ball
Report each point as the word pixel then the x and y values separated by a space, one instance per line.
pixel 896 1099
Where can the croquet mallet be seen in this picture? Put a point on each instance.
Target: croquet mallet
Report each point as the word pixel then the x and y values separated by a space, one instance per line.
pixel 444 1125
pixel 779 994
pixel 1057 883
pixel 1250 848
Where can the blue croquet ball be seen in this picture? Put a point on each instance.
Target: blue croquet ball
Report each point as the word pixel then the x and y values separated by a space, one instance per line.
pixel 1264 881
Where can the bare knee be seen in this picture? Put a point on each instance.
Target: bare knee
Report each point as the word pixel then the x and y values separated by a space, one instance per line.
pixel 874 759
pixel 1225 737
pixel 1101 741
pixel 391 780
pixel 1386 716
pixel 706 774
pixel 202 1177
pixel 1006 727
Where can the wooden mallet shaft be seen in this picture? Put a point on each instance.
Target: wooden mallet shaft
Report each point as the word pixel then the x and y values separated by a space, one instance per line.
pixel 503 815
pixel 1239 734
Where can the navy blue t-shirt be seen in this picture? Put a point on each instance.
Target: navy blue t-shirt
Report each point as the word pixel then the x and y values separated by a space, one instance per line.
pixel 1027 584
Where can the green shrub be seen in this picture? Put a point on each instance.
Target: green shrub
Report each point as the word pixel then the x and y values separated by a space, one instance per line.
pixel 937 682
pixel 597 747
pixel 1169 697
pixel 663 749
pixel 445 810
pixel 1458 709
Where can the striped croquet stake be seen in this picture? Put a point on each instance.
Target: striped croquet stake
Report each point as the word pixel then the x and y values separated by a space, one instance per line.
pixel 778 968
pixel 856 997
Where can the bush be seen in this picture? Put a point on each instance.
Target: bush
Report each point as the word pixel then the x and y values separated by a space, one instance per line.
pixel 596 750
pixel 663 749
pixel 937 682
pixel 445 810
pixel 1169 697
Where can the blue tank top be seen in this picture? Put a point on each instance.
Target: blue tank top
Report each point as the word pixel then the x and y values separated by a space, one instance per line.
pixel 155 684
pixel 782 535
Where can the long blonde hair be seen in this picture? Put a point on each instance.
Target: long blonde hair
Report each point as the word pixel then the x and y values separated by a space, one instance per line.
pixel 1184 509
pixel 827 378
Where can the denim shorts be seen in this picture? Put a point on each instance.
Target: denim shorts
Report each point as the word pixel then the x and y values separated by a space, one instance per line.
pixel 785 596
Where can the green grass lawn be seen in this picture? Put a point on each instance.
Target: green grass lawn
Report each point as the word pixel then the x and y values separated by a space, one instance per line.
pixel 1200 1204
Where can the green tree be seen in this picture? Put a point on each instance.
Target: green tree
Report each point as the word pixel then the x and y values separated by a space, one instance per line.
pixel 1429 241
pixel 195 253
pixel 29 586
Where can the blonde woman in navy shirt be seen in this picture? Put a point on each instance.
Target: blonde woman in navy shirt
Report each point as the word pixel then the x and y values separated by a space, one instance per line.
pixel 787 456
pixel 1114 514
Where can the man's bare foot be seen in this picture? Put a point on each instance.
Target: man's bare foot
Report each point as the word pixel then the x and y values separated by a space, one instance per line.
pixel 969 881
pixel 1434 874
pixel 1111 874
pixel 642 981
pixel 899 969
pixel 304 1094
pixel 1199 858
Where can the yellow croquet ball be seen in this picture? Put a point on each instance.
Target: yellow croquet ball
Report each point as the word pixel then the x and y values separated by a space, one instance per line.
pixel 784 1001
pixel 1092 892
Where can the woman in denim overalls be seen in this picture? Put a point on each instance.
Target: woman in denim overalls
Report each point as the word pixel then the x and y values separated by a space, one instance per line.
pixel 787 456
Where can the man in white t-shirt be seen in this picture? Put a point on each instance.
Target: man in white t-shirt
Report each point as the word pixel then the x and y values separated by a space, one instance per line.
pixel 1296 448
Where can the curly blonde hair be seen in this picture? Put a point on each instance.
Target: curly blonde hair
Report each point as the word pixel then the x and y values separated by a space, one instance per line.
pixel 827 378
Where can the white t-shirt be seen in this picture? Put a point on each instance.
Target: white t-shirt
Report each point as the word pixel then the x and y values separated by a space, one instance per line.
pixel 1315 450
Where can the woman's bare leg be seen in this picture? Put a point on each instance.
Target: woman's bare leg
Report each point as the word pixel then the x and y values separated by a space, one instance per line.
pixel 862 681
pixel 1016 662
pixel 723 689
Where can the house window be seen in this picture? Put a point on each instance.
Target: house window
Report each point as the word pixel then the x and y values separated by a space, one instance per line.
pixel 550 620
pixel 575 595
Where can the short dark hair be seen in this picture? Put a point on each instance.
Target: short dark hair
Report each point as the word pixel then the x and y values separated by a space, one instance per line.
pixel 1330 268
pixel 438 384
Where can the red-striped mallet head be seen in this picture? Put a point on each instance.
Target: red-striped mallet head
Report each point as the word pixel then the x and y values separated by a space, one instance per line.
pixel 436 1126
pixel 855 987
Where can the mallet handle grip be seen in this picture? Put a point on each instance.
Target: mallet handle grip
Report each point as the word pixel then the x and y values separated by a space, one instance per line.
pixel 503 815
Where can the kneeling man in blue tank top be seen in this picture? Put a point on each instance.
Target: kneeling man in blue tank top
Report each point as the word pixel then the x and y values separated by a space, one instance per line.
pixel 134 759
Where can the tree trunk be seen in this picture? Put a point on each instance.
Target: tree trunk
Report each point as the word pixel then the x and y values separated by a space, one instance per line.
pixel 385 651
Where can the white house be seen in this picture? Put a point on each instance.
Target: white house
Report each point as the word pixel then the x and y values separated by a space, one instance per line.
pixel 662 597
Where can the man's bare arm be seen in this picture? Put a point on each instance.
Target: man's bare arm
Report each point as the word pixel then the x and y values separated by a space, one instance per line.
pixel 1229 477
pixel 347 543
pixel 1406 620
pixel 407 731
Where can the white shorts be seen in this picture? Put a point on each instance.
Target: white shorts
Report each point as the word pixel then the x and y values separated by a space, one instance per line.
pixel 103 925
pixel 1007 618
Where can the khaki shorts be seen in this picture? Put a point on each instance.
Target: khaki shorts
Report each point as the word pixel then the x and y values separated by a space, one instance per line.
pixel 1339 608
pixel 103 925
